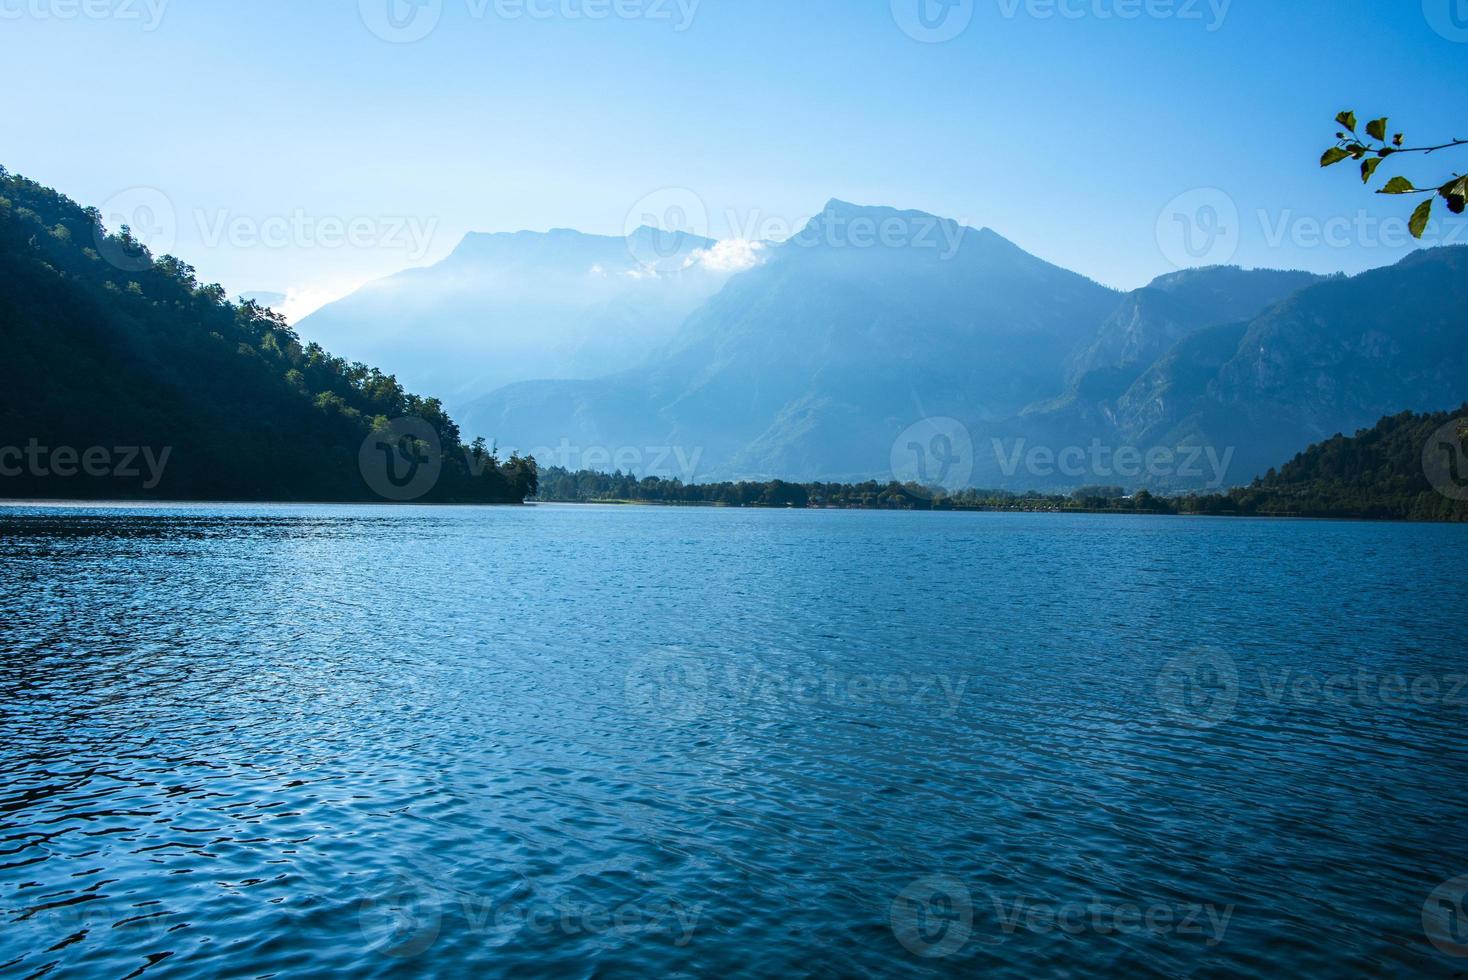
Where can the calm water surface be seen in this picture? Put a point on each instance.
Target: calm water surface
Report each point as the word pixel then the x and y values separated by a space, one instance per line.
pixel 307 741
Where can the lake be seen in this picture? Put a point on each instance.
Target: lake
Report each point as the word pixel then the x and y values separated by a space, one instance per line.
pixel 578 741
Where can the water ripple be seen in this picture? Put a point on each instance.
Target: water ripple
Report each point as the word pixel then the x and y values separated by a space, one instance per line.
pixel 270 741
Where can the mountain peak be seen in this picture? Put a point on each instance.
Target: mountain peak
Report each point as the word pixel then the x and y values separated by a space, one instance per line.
pixel 838 208
pixel 842 224
pixel 502 245
pixel 1440 253
pixel 576 248
pixel 676 240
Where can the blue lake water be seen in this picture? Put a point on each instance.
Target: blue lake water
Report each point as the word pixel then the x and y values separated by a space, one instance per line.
pixel 308 741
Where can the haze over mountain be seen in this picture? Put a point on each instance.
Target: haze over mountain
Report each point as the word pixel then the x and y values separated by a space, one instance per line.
pixel 1151 319
pixel 813 364
pixel 511 307
pixel 1333 358
pixel 871 334
pixel 867 319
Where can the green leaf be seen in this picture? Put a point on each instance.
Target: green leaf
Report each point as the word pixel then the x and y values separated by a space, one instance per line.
pixel 1397 139
pixel 1368 167
pixel 1420 217
pixel 1398 185
pixel 1455 192
pixel 1347 119
pixel 1376 129
pixel 1333 156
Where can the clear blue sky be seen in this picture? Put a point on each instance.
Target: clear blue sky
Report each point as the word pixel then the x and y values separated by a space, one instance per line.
pixel 1070 135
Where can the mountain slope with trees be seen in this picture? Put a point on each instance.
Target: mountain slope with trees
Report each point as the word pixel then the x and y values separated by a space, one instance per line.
pixel 816 364
pixel 1377 474
pixel 1334 357
pixel 107 346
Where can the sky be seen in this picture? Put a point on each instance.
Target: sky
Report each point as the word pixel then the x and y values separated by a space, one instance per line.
pixel 302 149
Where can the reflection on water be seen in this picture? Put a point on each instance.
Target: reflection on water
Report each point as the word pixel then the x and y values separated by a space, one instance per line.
pixel 295 741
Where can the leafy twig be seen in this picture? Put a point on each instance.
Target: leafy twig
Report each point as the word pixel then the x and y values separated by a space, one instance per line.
pixel 1374 148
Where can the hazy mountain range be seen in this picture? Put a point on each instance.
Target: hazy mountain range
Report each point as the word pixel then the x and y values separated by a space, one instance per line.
pixel 874 345
pixel 507 307
pixel 824 359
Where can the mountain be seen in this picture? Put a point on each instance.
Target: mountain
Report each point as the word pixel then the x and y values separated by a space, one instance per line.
pixel 1152 319
pixel 127 378
pixel 810 364
pixel 1333 358
pixel 1407 466
pixel 1150 322
pixel 515 307
pixel 814 365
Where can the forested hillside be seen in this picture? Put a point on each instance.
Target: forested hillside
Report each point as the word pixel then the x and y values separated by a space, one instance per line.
pixel 1408 467
pixel 107 347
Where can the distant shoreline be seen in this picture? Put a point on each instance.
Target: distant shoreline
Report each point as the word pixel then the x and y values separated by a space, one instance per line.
pixel 135 502
pixel 12 504
pixel 1056 511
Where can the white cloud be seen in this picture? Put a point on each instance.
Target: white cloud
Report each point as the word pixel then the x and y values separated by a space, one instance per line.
pixel 301 301
pixel 731 256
